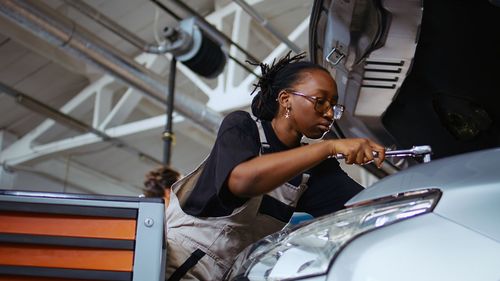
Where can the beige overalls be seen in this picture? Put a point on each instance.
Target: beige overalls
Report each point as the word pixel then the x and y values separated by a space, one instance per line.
pixel 203 248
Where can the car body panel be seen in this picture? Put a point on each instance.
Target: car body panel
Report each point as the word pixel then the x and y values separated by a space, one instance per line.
pixel 470 184
pixel 459 239
pixel 451 173
pixel 428 247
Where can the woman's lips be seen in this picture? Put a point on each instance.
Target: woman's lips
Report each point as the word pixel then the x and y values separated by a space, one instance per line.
pixel 324 127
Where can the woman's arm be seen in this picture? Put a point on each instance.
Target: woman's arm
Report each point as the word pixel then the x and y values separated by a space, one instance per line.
pixel 262 174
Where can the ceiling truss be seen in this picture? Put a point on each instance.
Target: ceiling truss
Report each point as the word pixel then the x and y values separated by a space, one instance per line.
pixel 109 114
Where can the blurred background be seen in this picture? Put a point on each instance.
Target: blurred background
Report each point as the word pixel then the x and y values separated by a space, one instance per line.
pixel 85 85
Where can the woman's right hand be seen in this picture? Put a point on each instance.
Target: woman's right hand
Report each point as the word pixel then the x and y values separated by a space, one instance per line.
pixel 358 151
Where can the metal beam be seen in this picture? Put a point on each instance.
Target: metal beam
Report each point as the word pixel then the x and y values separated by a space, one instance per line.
pixel 238 100
pixel 267 25
pixel 65 34
pixel 26 151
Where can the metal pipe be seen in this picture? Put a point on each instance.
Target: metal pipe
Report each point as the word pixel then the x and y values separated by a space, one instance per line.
pixel 66 35
pixel 117 29
pixel 267 25
pixel 44 109
pixel 168 135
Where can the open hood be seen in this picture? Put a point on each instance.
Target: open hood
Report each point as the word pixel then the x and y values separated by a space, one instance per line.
pixel 413 72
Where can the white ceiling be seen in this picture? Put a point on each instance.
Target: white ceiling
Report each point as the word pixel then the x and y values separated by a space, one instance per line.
pixel 70 160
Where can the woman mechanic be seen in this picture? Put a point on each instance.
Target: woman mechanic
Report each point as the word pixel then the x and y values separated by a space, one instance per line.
pixel 258 172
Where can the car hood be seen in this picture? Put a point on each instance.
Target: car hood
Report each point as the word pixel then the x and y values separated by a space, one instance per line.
pixel 413 72
pixel 470 186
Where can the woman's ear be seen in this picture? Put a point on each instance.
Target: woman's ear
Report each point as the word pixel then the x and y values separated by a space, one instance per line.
pixel 284 99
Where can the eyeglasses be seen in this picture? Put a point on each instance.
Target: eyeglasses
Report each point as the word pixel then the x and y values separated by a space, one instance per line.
pixel 322 105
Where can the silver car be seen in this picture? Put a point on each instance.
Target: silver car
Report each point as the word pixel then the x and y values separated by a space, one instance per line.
pixel 433 221
pixel 409 72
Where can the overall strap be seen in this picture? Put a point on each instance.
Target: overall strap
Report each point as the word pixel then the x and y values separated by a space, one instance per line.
pixel 305 179
pixel 187 265
pixel 265 145
pixel 262 135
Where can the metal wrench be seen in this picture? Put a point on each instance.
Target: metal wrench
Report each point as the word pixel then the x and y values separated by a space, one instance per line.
pixel 424 151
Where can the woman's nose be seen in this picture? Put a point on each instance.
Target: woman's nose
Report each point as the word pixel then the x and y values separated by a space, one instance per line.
pixel 329 113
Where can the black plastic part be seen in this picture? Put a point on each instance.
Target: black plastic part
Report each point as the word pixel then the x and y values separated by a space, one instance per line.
pixel 209 61
pixel 67 241
pixel 69 210
pixel 65 273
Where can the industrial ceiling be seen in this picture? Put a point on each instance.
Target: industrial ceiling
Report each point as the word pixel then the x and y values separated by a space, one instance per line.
pixel 85 85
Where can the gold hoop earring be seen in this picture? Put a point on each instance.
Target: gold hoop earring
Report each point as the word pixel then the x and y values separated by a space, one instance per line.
pixel 287 113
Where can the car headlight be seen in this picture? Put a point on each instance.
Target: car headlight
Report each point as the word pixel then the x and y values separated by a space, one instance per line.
pixel 308 250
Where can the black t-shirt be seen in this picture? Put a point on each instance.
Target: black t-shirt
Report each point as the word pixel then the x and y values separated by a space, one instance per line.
pixel 237 141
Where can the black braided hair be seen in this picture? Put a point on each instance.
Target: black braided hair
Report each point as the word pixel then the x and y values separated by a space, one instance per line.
pixel 274 78
pixel 158 180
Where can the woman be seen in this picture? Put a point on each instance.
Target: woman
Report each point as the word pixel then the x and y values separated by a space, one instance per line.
pixel 258 172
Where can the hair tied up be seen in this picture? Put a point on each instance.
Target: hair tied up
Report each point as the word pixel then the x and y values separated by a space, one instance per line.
pixel 274 78
pixel 268 72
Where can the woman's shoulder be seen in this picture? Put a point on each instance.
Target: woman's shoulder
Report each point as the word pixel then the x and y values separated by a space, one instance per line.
pixel 238 115
pixel 238 119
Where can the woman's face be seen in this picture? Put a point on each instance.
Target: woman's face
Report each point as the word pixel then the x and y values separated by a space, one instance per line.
pixel 311 100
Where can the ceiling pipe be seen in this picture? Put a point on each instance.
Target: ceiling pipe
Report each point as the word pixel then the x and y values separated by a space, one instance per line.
pixel 117 29
pixel 66 35
pixel 267 25
pixel 138 42
pixel 185 42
